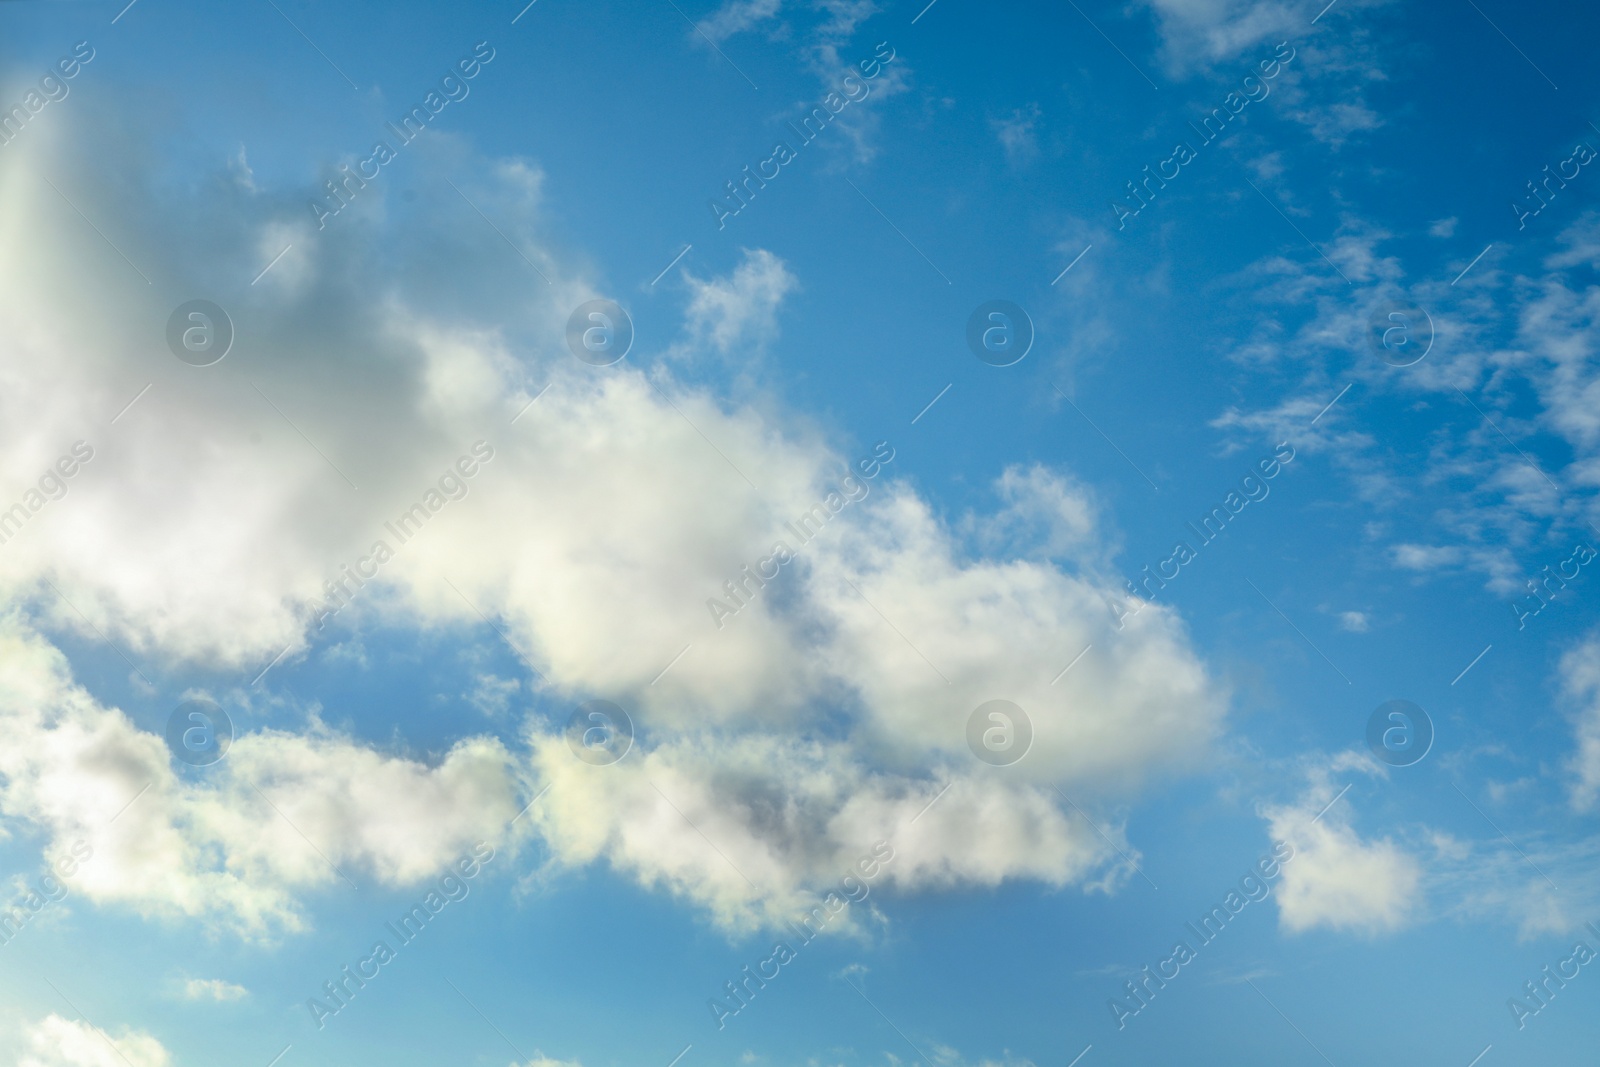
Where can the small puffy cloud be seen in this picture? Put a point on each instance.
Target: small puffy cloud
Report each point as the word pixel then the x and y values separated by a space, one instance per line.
pixel 492 694
pixel 1268 165
pixel 213 989
pixel 1337 879
pixel 1200 32
pixel 1426 557
pixel 1045 512
pixel 57 1042
pixel 1443 227
pixel 1344 883
pixel 737 16
pixel 1335 123
pixel 1355 622
pixel 539 1059
pixel 1016 133
pixel 739 310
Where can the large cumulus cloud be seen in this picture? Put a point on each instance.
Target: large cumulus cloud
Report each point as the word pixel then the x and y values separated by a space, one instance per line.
pixel 823 716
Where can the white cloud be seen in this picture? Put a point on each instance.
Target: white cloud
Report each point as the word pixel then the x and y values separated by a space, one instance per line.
pixel 1581 241
pixel 492 694
pixel 738 16
pixel 947 1056
pixel 1520 347
pixel 1343 881
pixel 1580 676
pixel 1016 134
pixel 1335 123
pixel 828 45
pixel 1046 513
pixel 1496 882
pixel 541 1060
pixel 1206 31
pixel 1322 86
pixel 1355 622
pixel 789 815
pixel 755 828
pixel 206 528
pixel 1337 879
pixel 739 310
pixel 226 849
pixel 1426 557
pixel 213 989
pixel 1560 326
pixel 57 1042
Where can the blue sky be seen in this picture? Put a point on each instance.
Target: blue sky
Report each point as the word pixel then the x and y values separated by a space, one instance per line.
pixel 1386 523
